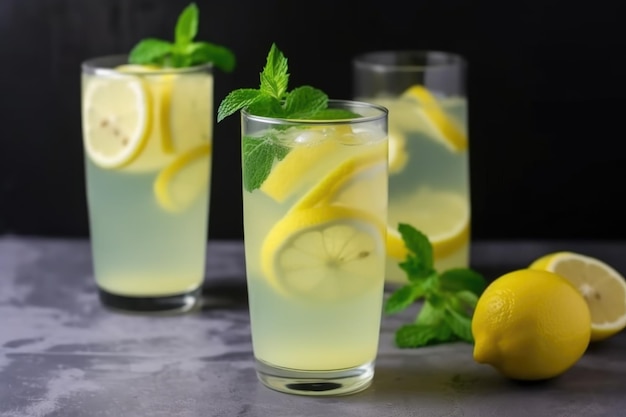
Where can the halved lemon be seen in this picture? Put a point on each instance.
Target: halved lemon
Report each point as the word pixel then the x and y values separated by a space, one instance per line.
pixel 445 128
pixel 116 119
pixel 442 216
pixel 603 288
pixel 324 253
pixel 179 185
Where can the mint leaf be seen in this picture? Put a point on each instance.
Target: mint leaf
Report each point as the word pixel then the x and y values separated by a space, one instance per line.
pixel 258 158
pixel 449 298
pixel 202 52
pixel 418 335
pixel 150 51
pixel 303 102
pixel 186 25
pixel 429 315
pixel 418 244
pixel 459 279
pixel 183 52
pixel 402 298
pixel 268 106
pixel 467 300
pixel 460 325
pixel 274 78
pixel 236 100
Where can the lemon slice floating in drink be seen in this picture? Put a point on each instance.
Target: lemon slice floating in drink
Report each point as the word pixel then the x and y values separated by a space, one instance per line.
pixel 443 216
pixel 603 288
pixel 116 120
pixel 434 116
pixel 352 180
pixel 298 168
pixel 324 253
pixel 397 156
pixel 178 185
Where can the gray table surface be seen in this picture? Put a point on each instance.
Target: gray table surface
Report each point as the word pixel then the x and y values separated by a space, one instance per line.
pixel 63 354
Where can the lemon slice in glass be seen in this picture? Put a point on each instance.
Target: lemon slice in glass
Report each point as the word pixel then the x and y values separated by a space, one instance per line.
pixel 116 120
pixel 442 216
pixel 180 183
pixel 362 179
pixel 300 166
pixel 444 127
pixel 398 156
pixel 324 253
pixel 603 288
pixel 187 112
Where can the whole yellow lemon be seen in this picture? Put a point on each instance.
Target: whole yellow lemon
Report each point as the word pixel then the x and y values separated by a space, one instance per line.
pixel 530 325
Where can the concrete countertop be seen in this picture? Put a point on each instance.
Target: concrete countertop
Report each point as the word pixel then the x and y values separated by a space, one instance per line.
pixel 63 354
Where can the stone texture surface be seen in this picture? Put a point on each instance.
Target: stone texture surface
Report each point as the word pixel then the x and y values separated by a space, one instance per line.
pixel 63 354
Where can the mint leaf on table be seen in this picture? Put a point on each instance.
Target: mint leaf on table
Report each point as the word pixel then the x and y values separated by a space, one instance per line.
pixel 273 99
pixel 183 52
pixel 448 298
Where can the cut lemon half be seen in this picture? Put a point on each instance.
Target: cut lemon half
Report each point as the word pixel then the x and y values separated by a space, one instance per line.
pixel 442 216
pixel 324 253
pixel 444 127
pixel 603 288
pixel 116 119
pixel 180 184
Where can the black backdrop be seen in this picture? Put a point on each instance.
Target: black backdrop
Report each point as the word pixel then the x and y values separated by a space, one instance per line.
pixel 546 91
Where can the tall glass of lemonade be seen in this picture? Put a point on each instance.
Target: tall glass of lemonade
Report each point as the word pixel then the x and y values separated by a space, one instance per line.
pixel 428 149
pixel 315 248
pixel 147 134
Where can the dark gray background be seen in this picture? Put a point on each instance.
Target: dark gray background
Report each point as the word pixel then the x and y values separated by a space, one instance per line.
pixel 545 86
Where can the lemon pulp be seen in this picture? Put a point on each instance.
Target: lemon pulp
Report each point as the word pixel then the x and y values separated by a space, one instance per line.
pixel 603 288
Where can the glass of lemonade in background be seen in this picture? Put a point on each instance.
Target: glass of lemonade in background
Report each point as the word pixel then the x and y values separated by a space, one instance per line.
pixel 315 249
pixel 147 135
pixel 428 148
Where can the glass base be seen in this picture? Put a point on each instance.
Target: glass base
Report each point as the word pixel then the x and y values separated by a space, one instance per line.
pixel 316 383
pixel 179 303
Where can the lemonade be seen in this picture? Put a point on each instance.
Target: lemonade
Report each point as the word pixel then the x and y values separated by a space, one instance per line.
pixel 428 149
pixel 431 190
pixel 147 135
pixel 315 247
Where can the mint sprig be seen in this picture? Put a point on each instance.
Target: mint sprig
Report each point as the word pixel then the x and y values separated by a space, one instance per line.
pixel 272 99
pixel 449 298
pixel 184 51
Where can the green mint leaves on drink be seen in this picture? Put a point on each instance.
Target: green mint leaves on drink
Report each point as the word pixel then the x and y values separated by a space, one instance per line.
pixel 184 51
pixel 273 99
pixel 448 298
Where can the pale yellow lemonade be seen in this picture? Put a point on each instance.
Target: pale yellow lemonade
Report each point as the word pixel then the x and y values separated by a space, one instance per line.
pixel 147 137
pixel 428 176
pixel 315 249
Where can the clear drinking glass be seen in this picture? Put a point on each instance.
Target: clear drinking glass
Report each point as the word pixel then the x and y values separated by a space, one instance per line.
pixel 428 148
pixel 314 225
pixel 147 135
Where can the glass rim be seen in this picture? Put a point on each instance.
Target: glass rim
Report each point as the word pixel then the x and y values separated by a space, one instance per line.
pixel 105 65
pixel 374 60
pixel 350 104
